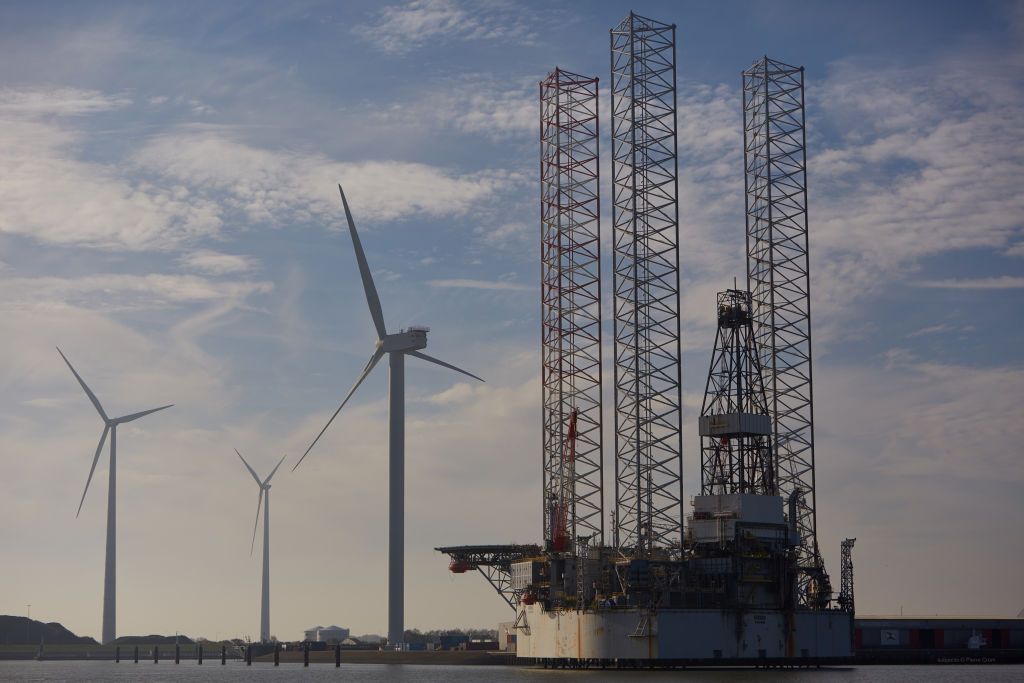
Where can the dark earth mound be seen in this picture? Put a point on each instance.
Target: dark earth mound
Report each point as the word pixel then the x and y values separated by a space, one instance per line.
pixel 153 640
pixel 25 631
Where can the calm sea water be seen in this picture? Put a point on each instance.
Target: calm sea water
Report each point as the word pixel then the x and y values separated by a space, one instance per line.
pixel 384 673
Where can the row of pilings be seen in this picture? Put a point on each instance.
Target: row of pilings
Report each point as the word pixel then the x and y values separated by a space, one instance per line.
pixel 247 654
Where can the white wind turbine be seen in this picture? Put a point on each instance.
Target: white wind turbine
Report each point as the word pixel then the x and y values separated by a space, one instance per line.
pixel 397 346
pixel 110 571
pixel 264 495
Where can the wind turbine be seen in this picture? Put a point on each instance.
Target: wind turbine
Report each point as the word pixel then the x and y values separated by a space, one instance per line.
pixel 110 571
pixel 264 495
pixel 398 345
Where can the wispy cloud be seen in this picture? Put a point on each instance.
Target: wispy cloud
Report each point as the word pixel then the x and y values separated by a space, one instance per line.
pixel 463 283
pixel 63 101
pixel 475 104
pixel 122 292
pixel 281 187
pixel 187 185
pixel 1001 282
pixel 927 163
pixel 98 205
pixel 400 29
pixel 216 263
pixel 940 329
pixel 454 395
pixel 504 233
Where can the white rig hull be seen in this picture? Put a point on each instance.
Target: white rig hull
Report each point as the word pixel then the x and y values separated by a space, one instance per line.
pixel 683 635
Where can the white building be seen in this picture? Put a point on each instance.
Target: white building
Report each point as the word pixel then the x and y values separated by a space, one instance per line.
pixel 324 634
pixel 330 633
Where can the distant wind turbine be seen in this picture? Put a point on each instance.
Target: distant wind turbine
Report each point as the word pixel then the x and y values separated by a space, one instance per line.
pixel 397 346
pixel 264 495
pixel 110 571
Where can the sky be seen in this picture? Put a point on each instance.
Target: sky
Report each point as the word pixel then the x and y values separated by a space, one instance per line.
pixel 169 217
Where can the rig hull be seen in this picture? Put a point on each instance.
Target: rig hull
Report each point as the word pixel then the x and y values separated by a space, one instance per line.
pixel 683 636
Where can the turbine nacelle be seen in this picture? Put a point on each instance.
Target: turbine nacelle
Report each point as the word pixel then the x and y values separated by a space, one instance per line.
pixel 412 339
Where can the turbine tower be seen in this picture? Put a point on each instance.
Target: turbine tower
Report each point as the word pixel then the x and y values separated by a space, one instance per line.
pixel 264 485
pixel 397 345
pixel 110 571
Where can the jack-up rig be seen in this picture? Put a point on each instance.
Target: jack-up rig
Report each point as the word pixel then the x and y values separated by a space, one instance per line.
pixel 743 582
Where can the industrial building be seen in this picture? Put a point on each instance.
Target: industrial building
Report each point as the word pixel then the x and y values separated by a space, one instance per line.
pixel 325 634
pixel 735 576
pixel 939 640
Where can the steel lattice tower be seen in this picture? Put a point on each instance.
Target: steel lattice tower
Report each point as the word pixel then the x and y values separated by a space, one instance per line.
pixel 571 309
pixel 846 576
pixel 735 426
pixel 775 159
pixel 648 439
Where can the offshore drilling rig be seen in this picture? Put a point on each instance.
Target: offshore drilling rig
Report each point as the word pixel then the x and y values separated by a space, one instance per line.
pixel 743 582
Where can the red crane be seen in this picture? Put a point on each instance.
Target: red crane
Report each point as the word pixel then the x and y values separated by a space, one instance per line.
pixel 560 513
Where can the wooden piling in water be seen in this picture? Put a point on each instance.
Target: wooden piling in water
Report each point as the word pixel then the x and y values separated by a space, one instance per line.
pixel 337 655
pixel 305 654
pixel 136 654
pixel 277 654
pixel 223 655
pixel 117 654
pixel 200 653
pixel 177 653
pixel 156 654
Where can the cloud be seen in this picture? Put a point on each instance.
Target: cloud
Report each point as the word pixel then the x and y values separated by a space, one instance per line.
pixel 464 283
pixel 481 104
pixel 504 234
pixel 49 194
pixel 1002 282
pixel 65 101
pixel 477 104
pixel 456 394
pixel 121 292
pixel 216 263
pixel 187 185
pixel 284 187
pixel 931 329
pixel 400 29
pixel 926 162
pixel 42 402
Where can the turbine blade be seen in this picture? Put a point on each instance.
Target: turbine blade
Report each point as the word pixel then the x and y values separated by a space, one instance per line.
pixel 364 272
pixel 251 470
pixel 374 359
pixel 88 391
pixel 256 525
pixel 431 359
pixel 136 416
pixel 103 438
pixel 274 471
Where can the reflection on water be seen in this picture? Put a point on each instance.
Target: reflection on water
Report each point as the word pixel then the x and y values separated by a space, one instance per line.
pixel 384 673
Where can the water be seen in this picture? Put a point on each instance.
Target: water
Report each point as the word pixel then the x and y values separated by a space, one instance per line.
pixel 387 673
